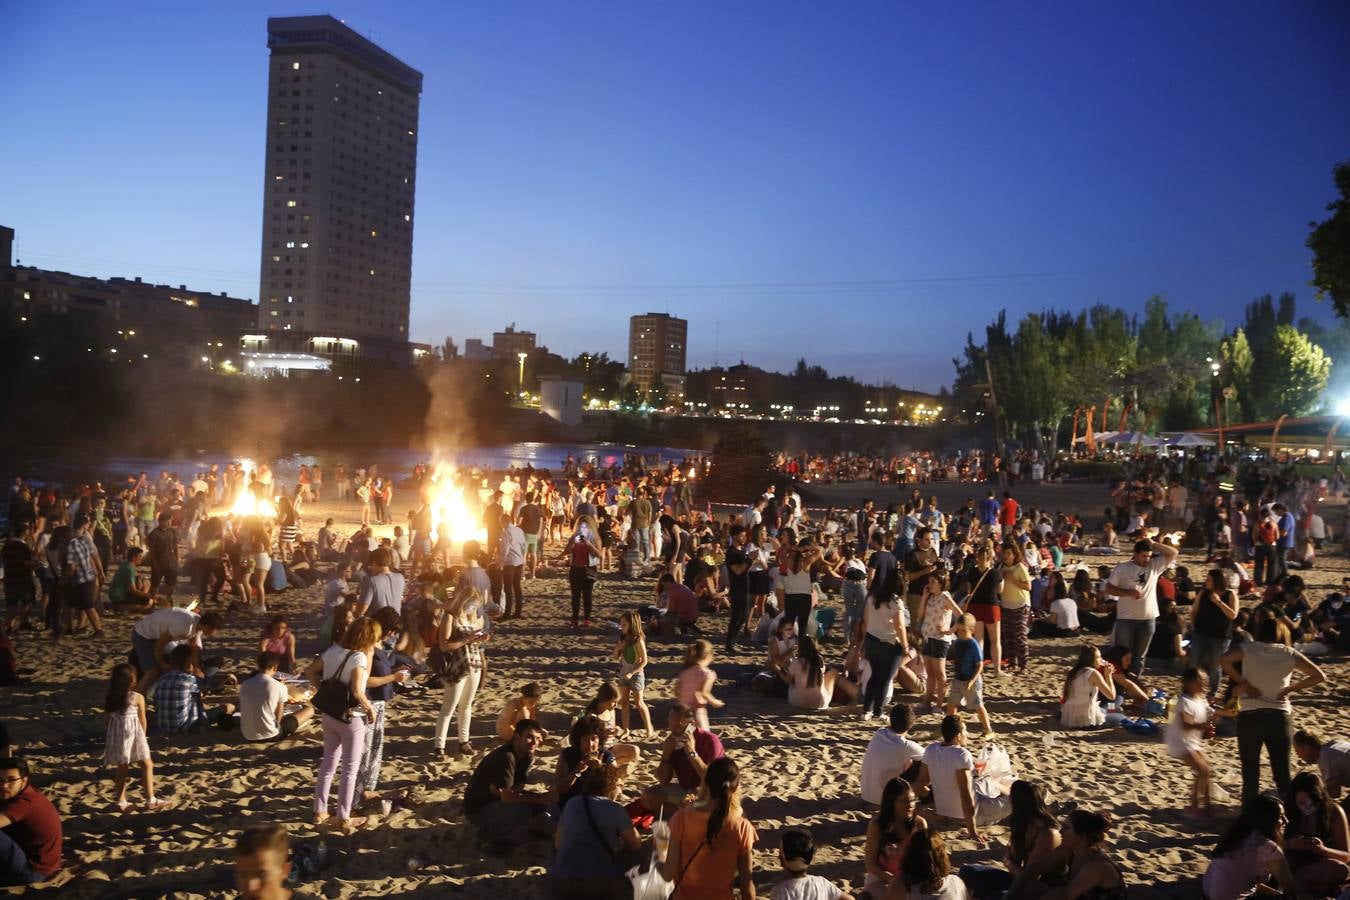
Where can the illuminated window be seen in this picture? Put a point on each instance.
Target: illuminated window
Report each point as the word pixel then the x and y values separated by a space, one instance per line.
pixel 304 245
pixel 272 313
pixel 407 218
pixel 290 203
pixel 295 65
pixel 290 245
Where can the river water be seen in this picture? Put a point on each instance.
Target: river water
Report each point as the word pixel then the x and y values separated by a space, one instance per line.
pixel 394 462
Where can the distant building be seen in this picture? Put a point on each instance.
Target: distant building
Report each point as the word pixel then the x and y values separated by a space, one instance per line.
pixel 560 398
pixel 506 344
pixel 657 343
pixel 740 388
pixel 130 315
pixel 476 351
pixel 341 166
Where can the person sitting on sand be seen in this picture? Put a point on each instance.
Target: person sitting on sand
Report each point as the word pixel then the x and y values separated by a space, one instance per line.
pixel 714 823
pixel 890 754
pixel 795 855
pixel 584 751
pixel 1317 838
pixel 782 647
pixel 153 635
pixel 888 834
pixel 813 684
pixel 1092 873
pixel 526 706
pixel 1248 855
pixel 1126 686
pixel 128 591
pixel 30 828
pixel 679 606
pixel 1332 759
pixel 595 840
pixel 1033 833
pixel 496 803
pixel 925 871
pixel 950 769
pixel 279 639
pixel 178 698
pixel 262 704
pixel 603 707
pixel 1089 677
pixel 686 754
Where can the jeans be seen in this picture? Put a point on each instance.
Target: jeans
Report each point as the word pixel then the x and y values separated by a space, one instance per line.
pixel 1205 654
pixel 583 590
pixel 369 776
pixel 855 595
pixel 1264 569
pixel 1134 635
pixel 884 659
pixel 985 882
pixel 342 744
pixel 459 696
pixel 797 608
pixel 644 544
pixel 514 592
pixel 1281 567
pixel 740 614
pixel 208 576
pixel 1273 729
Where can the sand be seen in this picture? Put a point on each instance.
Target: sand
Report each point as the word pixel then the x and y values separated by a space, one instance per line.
pixel 798 768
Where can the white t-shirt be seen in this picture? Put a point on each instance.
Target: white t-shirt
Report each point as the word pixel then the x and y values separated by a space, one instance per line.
pixel 953 888
pixel 1130 575
pixel 943 763
pixel 175 622
pixel 1334 762
pixel 1065 612
pixel 808 887
pixel 332 661
pixel 888 755
pixel 1181 741
pixel 880 623
pixel 258 699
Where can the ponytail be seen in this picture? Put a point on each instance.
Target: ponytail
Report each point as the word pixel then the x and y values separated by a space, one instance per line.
pixel 723 779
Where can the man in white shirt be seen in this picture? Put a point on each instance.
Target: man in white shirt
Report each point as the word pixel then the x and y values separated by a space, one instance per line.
pixel 155 634
pixel 891 754
pixel 262 704
pixel 382 586
pixel 950 769
pixel 1134 584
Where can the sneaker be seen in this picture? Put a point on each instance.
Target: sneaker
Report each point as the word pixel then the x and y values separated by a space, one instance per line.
pixel 867 717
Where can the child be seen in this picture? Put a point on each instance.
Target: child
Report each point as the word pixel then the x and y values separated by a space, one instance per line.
pixel 262 863
pixel 631 651
pixel 277 638
pixel 526 706
pixel 1188 728
pixel 602 707
pixel 967 687
pixel 694 684
pixel 126 741
pixel 795 856
pixel 936 612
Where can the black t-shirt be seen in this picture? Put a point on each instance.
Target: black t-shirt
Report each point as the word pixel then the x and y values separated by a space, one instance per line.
pixel 1164 643
pixel 500 768
pixel 984 586
pixel 1210 621
pixel 531 517
pixel 885 581
pixel 737 585
pixel 18 558
pixel 914 561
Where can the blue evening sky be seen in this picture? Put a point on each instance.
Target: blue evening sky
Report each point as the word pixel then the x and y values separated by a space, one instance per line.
pixel 856 183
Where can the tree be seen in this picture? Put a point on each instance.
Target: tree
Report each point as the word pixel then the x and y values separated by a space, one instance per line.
pixel 1330 245
pixel 1235 371
pixel 1297 375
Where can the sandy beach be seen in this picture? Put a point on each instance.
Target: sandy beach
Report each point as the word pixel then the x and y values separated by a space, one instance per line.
pixel 798 768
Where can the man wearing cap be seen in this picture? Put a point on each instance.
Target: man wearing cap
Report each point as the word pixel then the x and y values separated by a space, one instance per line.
pixel 1134 584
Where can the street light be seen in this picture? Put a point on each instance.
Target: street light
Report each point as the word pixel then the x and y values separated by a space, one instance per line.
pixel 520 355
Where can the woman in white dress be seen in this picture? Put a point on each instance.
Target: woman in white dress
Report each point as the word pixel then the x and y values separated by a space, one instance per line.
pixel 813 683
pixel 1089 677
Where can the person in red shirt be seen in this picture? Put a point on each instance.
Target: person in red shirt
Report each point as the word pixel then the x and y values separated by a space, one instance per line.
pixel 1008 512
pixel 681 604
pixel 30 829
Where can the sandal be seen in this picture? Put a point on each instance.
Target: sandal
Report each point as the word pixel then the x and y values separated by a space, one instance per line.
pixel 321 820
pixel 356 823
pixel 156 803
pixel 123 806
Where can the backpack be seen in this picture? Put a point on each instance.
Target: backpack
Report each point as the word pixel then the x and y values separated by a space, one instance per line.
pixel 1266 532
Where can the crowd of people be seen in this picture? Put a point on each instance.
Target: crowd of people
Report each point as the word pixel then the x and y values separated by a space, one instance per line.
pixel 850 607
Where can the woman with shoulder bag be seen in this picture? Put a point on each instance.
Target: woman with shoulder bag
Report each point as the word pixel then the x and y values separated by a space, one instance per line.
pixel 461 664
pixel 344 715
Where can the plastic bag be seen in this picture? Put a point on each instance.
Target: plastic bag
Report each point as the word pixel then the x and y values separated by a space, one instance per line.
pixel 993 771
pixel 649 885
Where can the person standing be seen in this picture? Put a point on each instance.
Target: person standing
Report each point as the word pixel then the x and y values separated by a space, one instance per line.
pixel 1212 627
pixel 1286 526
pixel 1134 584
pixel 511 550
pixel 83 573
pixel 884 637
pixel 738 586
pixel 344 741
pixel 640 523
pixel 162 546
pixel 1014 601
pixel 1265 718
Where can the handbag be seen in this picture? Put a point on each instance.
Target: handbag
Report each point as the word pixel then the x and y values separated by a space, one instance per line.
pixel 451 665
pixel 334 696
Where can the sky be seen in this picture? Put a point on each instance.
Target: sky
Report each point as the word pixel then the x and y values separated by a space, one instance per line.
pixel 859 184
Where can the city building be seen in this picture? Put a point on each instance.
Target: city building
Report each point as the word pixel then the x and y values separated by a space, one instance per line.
pixel 656 353
pixel 476 351
pixel 560 398
pixel 340 177
pixel 506 344
pixel 129 316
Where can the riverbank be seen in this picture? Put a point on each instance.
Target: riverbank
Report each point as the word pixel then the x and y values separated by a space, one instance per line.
pixel 799 769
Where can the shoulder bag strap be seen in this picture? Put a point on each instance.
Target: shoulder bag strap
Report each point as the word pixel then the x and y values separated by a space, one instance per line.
pixel 590 817
pixel 338 675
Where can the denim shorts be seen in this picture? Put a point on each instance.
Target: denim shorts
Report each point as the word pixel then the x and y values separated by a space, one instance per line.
pixel 936 648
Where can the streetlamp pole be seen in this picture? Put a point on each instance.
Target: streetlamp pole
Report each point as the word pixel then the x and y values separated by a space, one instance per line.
pixel 520 381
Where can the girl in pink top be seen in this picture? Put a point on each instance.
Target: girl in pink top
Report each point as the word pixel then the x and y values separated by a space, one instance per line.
pixel 694 684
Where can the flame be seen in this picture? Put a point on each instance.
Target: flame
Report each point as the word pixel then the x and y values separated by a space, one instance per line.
pixel 693 473
pixel 248 505
pixel 445 491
